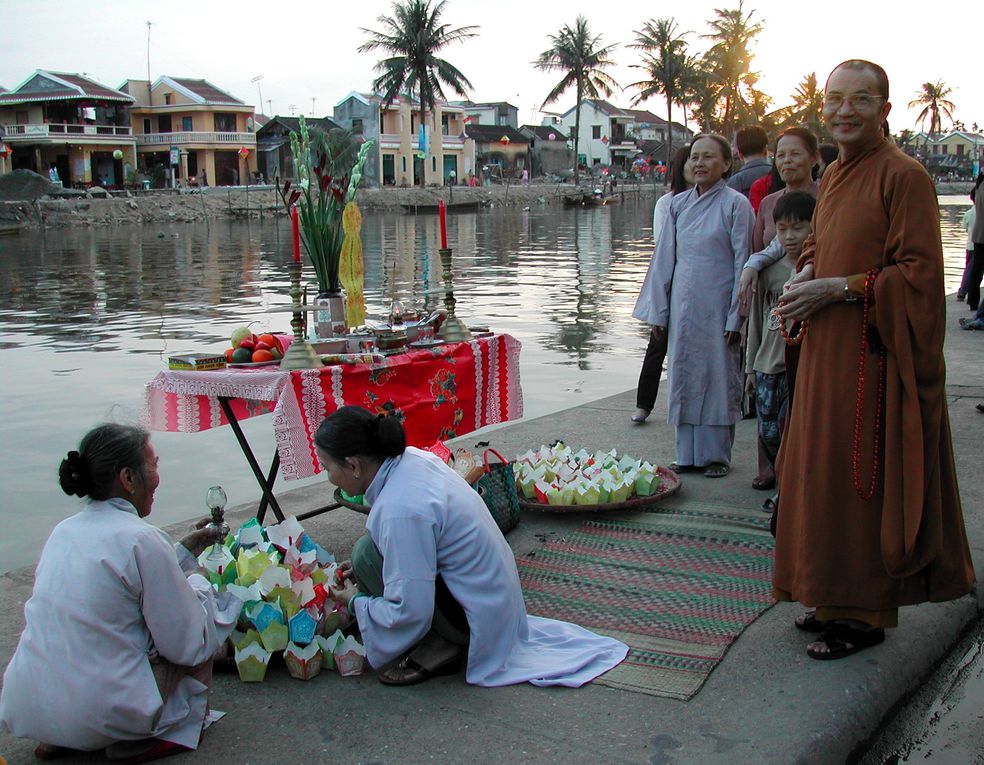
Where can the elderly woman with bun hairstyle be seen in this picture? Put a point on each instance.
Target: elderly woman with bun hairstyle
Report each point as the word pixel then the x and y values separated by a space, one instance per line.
pixel 117 650
pixel 433 583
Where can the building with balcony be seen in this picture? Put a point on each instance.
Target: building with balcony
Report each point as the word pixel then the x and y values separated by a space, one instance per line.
pixel 69 127
pixel 491 113
pixel 959 152
pixel 403 153
pixel 606 136
pixel 203 133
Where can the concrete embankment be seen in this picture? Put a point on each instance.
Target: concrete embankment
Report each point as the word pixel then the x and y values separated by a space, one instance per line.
pixel 766 702
pixel 152 207
pixel 219 203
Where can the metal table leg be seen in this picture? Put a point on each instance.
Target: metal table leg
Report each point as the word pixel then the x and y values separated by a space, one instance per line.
pixel 265 482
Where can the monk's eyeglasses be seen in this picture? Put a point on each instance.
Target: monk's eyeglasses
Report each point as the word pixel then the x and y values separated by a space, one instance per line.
pixel 859 101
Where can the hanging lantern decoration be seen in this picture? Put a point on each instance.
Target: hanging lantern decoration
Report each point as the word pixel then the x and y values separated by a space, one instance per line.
pixel 4 150
pixel 118 154
pixel 551 136
pixel 504 140
pixel 244 152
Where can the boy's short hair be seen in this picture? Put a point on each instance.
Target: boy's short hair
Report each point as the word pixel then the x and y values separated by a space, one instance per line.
pixel 795 206
pixel 751 140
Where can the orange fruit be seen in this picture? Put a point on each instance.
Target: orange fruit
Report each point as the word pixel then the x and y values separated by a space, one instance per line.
pixel 228 354
pixel 267 338
pixel 262 356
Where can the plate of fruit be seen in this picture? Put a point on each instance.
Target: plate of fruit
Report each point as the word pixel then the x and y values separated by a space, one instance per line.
pixel 252 350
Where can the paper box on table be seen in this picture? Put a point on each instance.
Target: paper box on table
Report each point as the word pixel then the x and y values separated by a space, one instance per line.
pixel 274 576
pixel 215 557
pixel 252 663
pixel 350 657
pixel 303 663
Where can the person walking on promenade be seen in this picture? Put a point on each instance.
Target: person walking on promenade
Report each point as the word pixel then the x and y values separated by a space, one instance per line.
pixel 752 143
pixel 869 515
pixel 691 293
pixel 652 363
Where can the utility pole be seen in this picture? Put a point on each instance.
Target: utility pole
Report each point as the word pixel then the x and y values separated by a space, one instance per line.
pixel 292 108
pixel 150 93
pixel 270 107
pixel 313 100
pixel 258 89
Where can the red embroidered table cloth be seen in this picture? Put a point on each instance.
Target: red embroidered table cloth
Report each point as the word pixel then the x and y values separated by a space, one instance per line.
pixel 444 392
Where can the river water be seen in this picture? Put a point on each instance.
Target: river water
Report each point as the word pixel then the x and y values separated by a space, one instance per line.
pixel 89 315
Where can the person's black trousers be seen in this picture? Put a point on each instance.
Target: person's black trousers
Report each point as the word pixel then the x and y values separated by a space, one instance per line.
pixel 652 369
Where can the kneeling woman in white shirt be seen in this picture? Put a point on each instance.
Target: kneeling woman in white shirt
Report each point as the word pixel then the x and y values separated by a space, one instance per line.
pixel 117 649
pixel 435 580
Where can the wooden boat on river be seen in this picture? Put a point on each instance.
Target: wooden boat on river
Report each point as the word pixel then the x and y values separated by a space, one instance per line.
pixel 455 207
pixel 589 199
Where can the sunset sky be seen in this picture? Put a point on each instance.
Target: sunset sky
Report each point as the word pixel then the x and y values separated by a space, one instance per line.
pixel 307 50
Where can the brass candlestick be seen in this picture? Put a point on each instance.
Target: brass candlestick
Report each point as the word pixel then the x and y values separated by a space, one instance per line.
pixel 454 329
pixel 300 354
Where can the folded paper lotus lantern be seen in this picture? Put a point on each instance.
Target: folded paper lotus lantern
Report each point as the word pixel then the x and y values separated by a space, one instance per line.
pixel 303 663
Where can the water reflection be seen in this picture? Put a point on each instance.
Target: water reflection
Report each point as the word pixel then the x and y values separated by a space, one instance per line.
pixel 88 316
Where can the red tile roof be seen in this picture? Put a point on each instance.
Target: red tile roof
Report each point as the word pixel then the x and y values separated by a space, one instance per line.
pixel 207 90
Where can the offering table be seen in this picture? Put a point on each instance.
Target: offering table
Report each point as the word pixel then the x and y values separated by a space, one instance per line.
pixel 443 392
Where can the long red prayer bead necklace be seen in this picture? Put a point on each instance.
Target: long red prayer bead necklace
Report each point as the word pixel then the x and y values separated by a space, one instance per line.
pixel 869 296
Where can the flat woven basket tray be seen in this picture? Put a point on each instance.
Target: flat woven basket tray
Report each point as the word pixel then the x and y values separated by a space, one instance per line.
pixel 669 483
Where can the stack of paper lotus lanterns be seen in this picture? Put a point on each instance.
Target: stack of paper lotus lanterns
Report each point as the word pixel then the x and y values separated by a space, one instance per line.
pixel 284 581
pixel 557 475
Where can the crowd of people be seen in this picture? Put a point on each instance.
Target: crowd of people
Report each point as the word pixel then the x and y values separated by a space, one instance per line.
pixel 824 301
pixel 838 287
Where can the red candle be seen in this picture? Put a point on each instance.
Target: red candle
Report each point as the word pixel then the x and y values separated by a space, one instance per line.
pixel 442 214
pixel 296 229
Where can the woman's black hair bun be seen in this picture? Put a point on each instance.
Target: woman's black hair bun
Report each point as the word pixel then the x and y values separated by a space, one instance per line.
pixel 73 475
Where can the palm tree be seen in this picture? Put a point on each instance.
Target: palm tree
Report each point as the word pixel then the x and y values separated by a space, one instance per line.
pixel 729 61
pixel 413 35
pixel 666 62
pixel 807 108
pixel 582 59
pixel 933 98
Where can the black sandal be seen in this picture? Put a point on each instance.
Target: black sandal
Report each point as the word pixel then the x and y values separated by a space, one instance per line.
pixel 409 672
pixel 676 467
pixel 808 622
pixel 842 640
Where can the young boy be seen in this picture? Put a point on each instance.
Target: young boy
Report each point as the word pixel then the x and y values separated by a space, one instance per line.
pixel 765 362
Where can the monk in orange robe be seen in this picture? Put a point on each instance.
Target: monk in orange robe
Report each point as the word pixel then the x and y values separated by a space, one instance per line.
pixel 869 512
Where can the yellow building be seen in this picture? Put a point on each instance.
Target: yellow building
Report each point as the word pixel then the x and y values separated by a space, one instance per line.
pixel 955 152
pixel 69 128
pixel 204 133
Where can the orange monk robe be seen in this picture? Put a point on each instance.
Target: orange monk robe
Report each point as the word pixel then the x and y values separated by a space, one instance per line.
pixel 907 544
